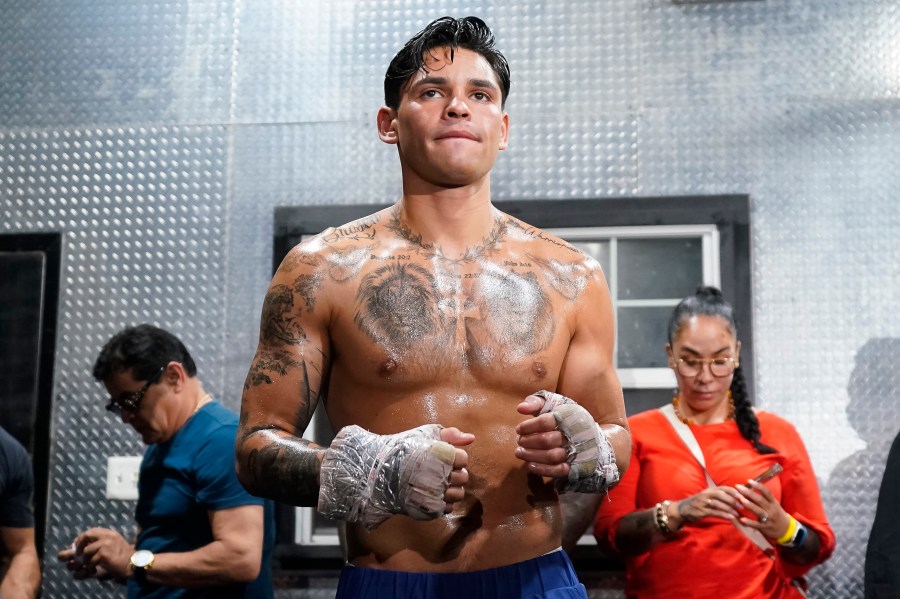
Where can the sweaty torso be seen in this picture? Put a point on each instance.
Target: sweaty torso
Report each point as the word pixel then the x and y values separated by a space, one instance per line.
pixel 416 338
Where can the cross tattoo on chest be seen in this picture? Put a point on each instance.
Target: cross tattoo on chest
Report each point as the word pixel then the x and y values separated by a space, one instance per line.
pixel 460 308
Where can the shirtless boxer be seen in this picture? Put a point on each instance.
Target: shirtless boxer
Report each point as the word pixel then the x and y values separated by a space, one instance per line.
pixel 440 311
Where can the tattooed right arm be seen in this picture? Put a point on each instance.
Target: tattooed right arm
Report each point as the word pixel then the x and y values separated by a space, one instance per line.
pixel 285 382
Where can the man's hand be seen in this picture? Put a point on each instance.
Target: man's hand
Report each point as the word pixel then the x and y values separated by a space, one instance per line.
pixel 582 461
pixel 98 553
pixel 459 476
pixel 367 477
pixel 541 445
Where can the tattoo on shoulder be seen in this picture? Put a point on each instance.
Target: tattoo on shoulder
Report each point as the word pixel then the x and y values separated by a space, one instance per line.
pixel 280 325
pixel 568 278
pixel 536 233
pixel 297 257
pixel 340 264
pixel 345 263
pixel 360 230
pixel 306 286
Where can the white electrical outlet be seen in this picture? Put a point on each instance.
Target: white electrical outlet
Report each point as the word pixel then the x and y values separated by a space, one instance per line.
pixel 122 476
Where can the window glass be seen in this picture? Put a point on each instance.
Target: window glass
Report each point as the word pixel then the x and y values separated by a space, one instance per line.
pixel 642 337
pixel 659 268
pixel 599 250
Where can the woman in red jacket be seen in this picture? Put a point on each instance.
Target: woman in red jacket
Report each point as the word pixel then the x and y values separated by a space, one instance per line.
pixel 688 516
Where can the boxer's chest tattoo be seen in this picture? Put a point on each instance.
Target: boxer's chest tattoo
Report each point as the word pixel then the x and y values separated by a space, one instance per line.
pixel 431 251
pixel 397 305
pixel 516 314
pixel 492 313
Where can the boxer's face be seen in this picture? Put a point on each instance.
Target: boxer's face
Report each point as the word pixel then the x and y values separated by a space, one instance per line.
pixel 450 124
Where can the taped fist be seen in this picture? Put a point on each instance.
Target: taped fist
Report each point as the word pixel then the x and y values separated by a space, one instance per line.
pixel 367 478
pixel 591 459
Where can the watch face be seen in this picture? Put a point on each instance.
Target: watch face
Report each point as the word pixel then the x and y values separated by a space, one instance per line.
pixel 142 558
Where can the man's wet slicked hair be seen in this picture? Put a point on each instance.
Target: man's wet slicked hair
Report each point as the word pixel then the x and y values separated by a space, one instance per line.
pixel 469 33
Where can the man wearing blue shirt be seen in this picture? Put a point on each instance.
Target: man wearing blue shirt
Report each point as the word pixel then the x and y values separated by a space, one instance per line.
pixel 22 576
pixel 200 534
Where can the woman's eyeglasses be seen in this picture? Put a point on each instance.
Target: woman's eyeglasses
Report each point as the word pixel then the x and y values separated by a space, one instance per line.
pixel 719 367
pixel 132 401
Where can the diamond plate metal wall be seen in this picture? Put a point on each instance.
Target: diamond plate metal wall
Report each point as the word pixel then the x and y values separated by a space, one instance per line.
pixel 142 210
pixel 159 137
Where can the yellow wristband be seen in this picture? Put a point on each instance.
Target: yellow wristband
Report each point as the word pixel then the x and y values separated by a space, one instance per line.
pixel 787 536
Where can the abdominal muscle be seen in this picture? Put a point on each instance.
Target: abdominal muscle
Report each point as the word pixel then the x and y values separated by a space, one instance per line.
pixel 507 516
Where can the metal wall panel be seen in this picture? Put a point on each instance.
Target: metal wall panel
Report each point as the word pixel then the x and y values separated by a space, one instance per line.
pixel 142 210
pixel 159 138
pixel 70 64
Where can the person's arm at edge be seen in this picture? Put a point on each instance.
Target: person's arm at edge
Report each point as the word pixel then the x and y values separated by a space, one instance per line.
pixel 284 384
pixel 23 578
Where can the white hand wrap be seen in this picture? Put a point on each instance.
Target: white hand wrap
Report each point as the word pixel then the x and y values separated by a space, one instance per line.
pixel 591 459
pixel 367 477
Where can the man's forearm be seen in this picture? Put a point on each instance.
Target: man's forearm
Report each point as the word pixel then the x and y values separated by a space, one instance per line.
pixel 578 510
pixel 211 565
pixel 23 578
pixel 273 464
pixel 619 437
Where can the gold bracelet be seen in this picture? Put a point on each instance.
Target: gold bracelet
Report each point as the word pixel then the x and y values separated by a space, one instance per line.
pixel 791 530
pixel 662 518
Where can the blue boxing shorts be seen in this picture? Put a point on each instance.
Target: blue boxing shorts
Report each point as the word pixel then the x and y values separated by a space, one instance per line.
pixel 549 576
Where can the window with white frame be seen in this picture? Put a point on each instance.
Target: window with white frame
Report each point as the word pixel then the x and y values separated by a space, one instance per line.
pixel 649 269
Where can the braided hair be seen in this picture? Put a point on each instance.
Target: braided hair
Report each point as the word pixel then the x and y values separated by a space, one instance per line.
pixel 708 301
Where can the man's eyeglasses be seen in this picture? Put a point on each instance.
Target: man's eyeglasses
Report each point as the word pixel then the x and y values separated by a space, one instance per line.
pixel 132 401
pixel 719 367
